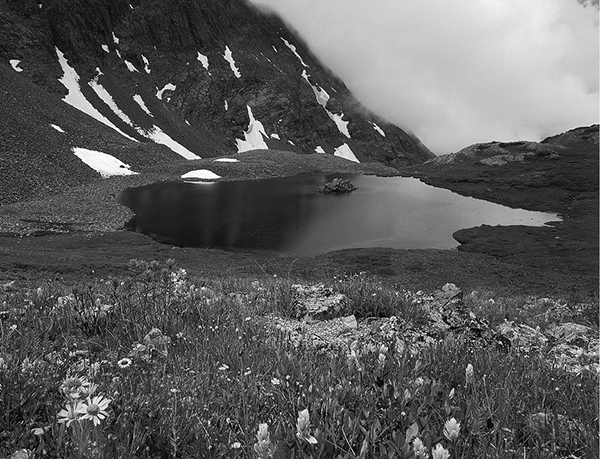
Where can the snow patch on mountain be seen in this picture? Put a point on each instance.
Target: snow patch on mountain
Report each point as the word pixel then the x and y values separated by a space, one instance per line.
pixel 106 165
pixel 253 137
pixel 339 121
pixel 227 160
pixel 293 49
pixel 377 128
pixel 275 136
pixel 15 65
pixel 131 67
pixel 344 151
pixel 159 136
pixel 75 97
pixel 322 98
pixel 226 104
pixel 202 174
pixel 108 100
pixel 146 64
pixel 141 103
pixel 319 149
pixel 115 39
pixel 229 58
pixel 167 87
pixel 58 128
pixel 320 94
pixel 203 60
pixel 156 134
pixel 105 48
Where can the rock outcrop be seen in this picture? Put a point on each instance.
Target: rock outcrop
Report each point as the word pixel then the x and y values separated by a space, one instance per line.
pixel 338 185
pixel 322 322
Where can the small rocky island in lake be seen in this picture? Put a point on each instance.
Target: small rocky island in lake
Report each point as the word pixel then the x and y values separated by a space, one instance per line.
pixel 337 185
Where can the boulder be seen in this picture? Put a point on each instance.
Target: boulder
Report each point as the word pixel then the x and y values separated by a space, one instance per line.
pixel 451 317
pixel 522 337
pixel 337 185
pixel 571 333
pixel 318 302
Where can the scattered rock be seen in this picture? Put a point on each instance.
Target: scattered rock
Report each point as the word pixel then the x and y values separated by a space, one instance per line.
pixel 451 317
pixel 337 185
pixel 522 337
pixel 318 302
pixel 575 359
pixel 570 333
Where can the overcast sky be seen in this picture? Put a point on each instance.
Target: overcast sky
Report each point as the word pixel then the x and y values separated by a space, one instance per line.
pixel 463 71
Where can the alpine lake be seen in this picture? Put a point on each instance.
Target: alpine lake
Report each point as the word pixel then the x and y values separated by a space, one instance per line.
pixel 288 216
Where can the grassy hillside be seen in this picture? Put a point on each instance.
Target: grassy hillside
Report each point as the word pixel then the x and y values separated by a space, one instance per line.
pixel 157 363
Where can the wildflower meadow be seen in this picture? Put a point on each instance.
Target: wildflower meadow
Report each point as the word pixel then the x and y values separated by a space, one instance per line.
pixel 161 364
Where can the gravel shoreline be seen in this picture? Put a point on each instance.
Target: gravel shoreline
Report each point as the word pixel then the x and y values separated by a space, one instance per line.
pixel 92 207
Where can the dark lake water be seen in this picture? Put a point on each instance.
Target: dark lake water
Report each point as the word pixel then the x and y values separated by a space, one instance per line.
pixel 288 216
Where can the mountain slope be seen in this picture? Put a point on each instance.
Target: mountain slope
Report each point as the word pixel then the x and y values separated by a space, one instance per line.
pixel 203 78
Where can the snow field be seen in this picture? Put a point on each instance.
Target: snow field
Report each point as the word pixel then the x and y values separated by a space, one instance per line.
pixel 106 165
pixel 344 151
pixel 229 58
pixel 141 103
pixel 203 60
pixel 15 65
pixel 253 137
pixel 167 87
pixel 293 49
pixel 75 97
pixel 227 160
pixel 201 174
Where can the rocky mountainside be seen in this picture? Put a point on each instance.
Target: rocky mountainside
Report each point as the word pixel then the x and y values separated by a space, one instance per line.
pixel 166 79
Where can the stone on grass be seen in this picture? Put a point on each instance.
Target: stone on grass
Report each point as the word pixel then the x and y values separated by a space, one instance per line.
pixel 570 333
pixel 522 337
pixel 318 302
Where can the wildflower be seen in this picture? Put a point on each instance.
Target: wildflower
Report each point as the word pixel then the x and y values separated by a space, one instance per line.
pixel 263 446
pixel 353 356
pixel 72 387
pixel 70 413
pixel 303 427
pixel 88 389
pixel 451 394
pixel 124 362
pixel 3 365
pixel 224 367
pixel 26 365
pixel 39 431
pixel 94 409
pixel 452 429
pixel 236 445
pixel 440 452
pixel 275 381
pixel 419 449
pixel 469 375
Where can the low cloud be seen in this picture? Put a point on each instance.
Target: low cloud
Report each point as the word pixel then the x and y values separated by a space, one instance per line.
pixel 456 73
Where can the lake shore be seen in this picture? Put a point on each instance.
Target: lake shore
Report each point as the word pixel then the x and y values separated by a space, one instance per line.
pixel 81 233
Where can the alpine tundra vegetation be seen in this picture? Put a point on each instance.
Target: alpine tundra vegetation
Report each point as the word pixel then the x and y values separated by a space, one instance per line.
pixel 118 344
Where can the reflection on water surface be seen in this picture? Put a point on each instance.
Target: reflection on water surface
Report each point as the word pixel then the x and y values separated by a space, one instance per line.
pixel 288 216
